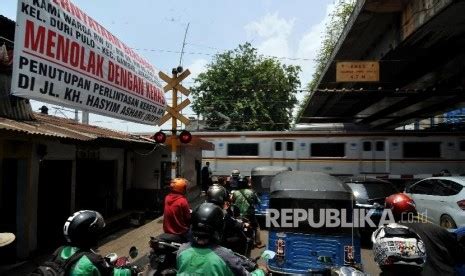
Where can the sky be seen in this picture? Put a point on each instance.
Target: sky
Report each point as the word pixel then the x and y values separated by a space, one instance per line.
pixel 290 30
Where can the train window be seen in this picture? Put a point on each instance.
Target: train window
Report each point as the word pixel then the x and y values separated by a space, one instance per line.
pixel 243 149
pixel 422 149
pixel 289 146
pixel 278 146
pixel 462 145
pixel 367 146
pixel 327 150
pixel 380 146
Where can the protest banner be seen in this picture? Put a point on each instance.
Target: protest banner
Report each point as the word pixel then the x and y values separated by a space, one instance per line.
pixel 63 56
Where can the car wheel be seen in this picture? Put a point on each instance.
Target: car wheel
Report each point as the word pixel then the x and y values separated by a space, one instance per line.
pixel 447 222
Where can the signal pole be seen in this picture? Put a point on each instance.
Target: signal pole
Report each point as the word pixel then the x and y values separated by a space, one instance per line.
pixel 174 126
pixel 173 111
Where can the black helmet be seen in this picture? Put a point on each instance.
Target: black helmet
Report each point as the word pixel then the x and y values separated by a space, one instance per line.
pixel 82 228
pixel 445 173
pixel 207 223
pixel 243 183
pixel 217 194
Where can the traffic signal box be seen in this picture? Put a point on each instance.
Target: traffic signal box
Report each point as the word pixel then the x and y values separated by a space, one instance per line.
pixel 184 137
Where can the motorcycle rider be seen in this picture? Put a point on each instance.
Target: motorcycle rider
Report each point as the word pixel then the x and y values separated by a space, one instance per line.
pixel 81 231
pixel 245 199
pixel 234 237
pixel 176 214
pixel 233 181
pixel 460 235
pixel 203 255
pixel 218 195
pixel 443 252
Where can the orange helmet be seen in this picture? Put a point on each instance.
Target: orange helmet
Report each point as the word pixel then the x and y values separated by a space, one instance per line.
pixel 179 185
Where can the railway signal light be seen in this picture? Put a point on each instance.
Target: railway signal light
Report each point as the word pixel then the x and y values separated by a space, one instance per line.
pixel 159 137
pixel 185 137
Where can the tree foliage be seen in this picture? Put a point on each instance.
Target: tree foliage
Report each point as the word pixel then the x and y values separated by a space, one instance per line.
pixel 255 92
pixel 333 30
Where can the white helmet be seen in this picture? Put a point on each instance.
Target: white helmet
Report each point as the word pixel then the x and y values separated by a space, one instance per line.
pixel 235 173
pixel 396 247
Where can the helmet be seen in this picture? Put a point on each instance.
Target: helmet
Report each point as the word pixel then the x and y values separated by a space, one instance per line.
pixel 235 173
pixel 207 223
pixel 217 194
pixel 445 173
pixel 398 248
pixel 243 183
pixel 400 204
pixel 179 185
pixel 82 228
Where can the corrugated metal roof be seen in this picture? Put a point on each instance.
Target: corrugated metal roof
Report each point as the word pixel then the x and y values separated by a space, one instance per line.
pixel 11 106
pixel 52 126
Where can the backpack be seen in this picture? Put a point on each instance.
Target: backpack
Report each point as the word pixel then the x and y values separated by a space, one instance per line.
pixel 58 266
pixel 245 209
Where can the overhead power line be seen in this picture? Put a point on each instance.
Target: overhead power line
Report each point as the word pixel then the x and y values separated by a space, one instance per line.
pixel 212 54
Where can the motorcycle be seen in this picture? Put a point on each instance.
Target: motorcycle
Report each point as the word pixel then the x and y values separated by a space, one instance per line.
pixel 162 257
pixel 249 234
pixel 240 241
pixel 124 261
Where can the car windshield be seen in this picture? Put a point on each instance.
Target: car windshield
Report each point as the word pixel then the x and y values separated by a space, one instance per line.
pixel 371 192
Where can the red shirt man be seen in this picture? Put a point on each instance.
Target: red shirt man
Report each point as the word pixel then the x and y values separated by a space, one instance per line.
pixel 177 216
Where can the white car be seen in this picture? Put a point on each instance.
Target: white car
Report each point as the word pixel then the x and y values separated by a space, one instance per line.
pixel 442 199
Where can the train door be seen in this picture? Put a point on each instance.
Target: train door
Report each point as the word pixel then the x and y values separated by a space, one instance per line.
pixel 374 156
pixel 284 153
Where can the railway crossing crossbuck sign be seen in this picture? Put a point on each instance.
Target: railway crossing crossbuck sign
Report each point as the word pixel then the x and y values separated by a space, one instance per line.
pixel 174 83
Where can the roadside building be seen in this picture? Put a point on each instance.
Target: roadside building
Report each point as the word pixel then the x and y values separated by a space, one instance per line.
pixel 52 166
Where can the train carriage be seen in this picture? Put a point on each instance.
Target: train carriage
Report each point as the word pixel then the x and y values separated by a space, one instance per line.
pixel 386 154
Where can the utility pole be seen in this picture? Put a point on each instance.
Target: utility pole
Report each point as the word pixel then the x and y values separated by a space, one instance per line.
pixel 85 117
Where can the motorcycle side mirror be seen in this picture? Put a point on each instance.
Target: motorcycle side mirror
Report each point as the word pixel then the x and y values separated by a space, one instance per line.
pixel 111 258
pixel 133 252
pixel 268 255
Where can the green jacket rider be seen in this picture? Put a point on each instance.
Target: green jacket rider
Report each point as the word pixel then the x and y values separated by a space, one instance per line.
pixel 81 232
pixel 245 199
pixel 203 255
